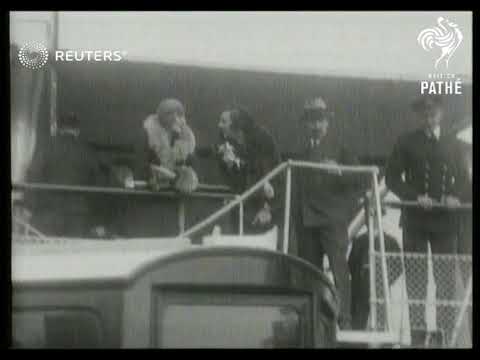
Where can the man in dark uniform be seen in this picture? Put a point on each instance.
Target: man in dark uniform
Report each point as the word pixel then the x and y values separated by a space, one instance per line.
pixel 426 166
pixel 325 202
pixel 248 152
pixel 466 224
pixel 67 160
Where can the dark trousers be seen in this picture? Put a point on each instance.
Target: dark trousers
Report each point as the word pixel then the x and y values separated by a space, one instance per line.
pixel 331 240
pixel 465 234
pixel 360 299
pixel 415 240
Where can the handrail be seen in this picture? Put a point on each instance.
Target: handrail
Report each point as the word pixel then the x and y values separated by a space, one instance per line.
pixel 29 228
pixel 343 168
pixel 239 199
pixel 122 191
pixel 360 219
pixel 435 205
pixel 288 165
pixel 167 192
pixel 269 176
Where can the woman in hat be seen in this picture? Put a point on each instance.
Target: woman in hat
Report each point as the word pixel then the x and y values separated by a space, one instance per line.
pixel 167 148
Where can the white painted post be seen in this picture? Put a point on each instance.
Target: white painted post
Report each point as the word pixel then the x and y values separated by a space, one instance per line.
pixel 288 194
pixel 373 284
pixel 386 289
pixel 240 218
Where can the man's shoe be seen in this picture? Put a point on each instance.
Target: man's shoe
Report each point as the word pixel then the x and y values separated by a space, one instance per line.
pixel 418 338
pixel 435 339
pixel 344 324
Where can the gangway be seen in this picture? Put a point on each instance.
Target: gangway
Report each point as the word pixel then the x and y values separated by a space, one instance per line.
pixel 383 329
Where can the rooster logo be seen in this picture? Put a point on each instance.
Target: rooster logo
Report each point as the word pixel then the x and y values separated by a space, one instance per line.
pixel 446 36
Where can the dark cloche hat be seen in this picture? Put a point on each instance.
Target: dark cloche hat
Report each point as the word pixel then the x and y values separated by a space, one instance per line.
pixel 169 105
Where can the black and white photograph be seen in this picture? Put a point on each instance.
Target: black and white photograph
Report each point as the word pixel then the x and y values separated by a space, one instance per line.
pixel 241 179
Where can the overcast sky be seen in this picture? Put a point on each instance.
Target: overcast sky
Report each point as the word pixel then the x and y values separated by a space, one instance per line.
pixel 372 44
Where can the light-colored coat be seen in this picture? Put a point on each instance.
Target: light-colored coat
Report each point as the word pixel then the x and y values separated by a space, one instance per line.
pixel 159 142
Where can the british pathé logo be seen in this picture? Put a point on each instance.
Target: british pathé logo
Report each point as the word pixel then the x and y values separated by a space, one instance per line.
pixel 446 37
pixel 33 55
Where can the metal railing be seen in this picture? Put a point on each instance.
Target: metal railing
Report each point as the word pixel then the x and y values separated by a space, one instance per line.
pixel 360 219
pixel 237 202
pixel 435 205
pixel 461 262
pixel 288 166
pixel 204 191
pixel 374 219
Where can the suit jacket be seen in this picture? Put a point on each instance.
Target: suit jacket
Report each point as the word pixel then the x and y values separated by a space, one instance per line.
pixel 420 164
pixel 323 198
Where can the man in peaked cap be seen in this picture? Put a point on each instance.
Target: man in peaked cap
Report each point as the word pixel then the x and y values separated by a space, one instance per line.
pixel 325 202
pixel 426 166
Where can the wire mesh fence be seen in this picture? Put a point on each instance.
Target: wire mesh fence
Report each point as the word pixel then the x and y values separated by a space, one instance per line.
pixel 430 299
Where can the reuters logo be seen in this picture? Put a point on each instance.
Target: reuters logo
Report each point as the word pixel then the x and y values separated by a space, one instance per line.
pixel 33 55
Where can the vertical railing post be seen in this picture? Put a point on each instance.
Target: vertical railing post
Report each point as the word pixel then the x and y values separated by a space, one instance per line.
pixel 462 313
pixel 240 218
pixel 373 265
pixel 386 289
pixel 53 101
pixel 53 74
pixel 54 31
pixel 288 194
pixel 181 214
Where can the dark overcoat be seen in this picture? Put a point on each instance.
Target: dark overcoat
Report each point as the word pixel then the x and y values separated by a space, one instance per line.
pixel 66 160
pixel 322 198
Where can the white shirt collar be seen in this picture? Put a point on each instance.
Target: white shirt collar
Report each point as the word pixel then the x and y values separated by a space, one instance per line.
pixel 436 132
pixel 314 142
